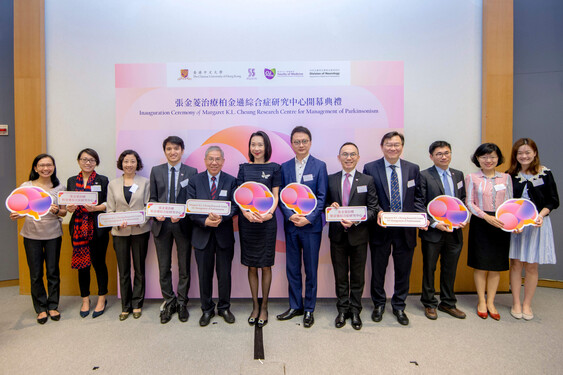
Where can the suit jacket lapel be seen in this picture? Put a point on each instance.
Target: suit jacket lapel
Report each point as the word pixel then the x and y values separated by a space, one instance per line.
pixel 438 180
pixel 354 186
pixel 405 182
pixel 455 180
pixel 338 181
pixel 308 167
pixel 220 186
pixel 383 178
pixel 292 171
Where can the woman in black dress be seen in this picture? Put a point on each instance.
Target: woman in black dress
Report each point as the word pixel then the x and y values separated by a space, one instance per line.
pixel 258 232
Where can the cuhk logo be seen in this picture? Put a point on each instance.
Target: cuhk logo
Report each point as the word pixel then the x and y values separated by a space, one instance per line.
pixel 270 73
pixel 184 74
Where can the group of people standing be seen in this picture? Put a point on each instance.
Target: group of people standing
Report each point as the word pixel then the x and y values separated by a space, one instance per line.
pixel 389 184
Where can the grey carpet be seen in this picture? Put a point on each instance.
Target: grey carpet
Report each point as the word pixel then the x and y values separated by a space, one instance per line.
pixel 107 346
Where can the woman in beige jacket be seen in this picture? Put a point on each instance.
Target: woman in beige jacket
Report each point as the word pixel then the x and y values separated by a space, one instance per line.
pixel 130 192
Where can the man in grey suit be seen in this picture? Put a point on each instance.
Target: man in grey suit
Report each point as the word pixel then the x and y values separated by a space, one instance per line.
pixel 439 240
pixel 169 182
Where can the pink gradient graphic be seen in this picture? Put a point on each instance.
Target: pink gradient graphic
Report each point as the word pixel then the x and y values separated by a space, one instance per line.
pixel 448 210
pixel 516 214
pixel 29 201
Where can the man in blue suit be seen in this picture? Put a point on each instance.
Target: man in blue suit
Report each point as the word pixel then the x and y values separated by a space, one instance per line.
pixel 303 232
pixel 397 183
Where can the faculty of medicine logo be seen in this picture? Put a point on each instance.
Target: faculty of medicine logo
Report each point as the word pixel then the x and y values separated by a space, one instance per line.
pixel 269 73
pixel 184 74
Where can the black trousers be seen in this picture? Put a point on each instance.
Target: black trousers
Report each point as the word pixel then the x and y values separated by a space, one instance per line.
pixel 349 265
pixel 127 247
pixel 206 259
pixel 169 233
pixel 402 261
pixel 448 249
pixel 98 249
pixel 38 252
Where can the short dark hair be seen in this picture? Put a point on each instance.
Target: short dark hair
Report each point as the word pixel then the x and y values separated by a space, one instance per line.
pixel 33 175
pixel 267 145
pixel 129 152
pixel 484 149
pixel 300 129
pixel 175 140
pixel 438 144
pixel 392 134
pixel 91 152
pixel 349 144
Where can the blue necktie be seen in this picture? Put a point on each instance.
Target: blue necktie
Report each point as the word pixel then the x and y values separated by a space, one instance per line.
pixel 395 191
pixel 446 183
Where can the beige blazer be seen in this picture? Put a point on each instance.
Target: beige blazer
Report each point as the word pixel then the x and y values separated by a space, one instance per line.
pixel 116 203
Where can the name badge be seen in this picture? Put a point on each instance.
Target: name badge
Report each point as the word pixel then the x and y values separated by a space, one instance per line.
pixel 223 193
pixel 96 188
pixel 308 177
pixel 500 187
pixel 362 189
pixel 133 188
pixel 184 183
pixel 537 182
pixel 410 184
pixel 460 184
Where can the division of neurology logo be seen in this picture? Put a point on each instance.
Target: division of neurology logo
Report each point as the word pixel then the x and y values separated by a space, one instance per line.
pixel 184 74
pixel 269 73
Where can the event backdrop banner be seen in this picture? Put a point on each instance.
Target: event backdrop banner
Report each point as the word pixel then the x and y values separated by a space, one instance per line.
pixel 222 103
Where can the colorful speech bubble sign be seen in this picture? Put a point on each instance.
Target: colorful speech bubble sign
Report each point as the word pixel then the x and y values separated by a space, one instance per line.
pixel 29 201
pixel 299 198
pixel 448 210
pixel 516 214
pixel 255 197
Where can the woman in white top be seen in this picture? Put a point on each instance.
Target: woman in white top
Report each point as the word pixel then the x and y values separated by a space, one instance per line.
pixel 42 240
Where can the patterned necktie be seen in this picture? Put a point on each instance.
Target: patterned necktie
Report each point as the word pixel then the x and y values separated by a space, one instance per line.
pixel 447 189
pixel 172 185
pixel 346 190
pixel 395 191
pixel 213 188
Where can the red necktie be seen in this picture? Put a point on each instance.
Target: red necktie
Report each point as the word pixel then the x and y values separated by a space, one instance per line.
pixel 213 188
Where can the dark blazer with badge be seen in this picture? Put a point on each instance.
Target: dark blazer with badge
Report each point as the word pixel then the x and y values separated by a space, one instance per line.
pixel 198 188
pixel 159 182
pixel 541 189
pixel 357 234
pixel 316 169
pixel 102 182
pixel 412 199
pixel 431 186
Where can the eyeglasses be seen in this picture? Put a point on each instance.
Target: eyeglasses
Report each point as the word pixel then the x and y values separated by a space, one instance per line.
pixel 88 161
pixel 303 142
pixel 392 145
pixel 440 155
pixel 216 160
pixel 347 155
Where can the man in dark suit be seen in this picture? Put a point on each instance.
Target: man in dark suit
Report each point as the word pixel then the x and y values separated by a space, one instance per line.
pixel 439 240
pixel 397 183
pixel 349 240
pixel 303 232
pixel 168 184
pixel 213 236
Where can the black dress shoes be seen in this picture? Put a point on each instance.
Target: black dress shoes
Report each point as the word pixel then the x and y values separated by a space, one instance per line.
pixel 206 318
pixel 183 313
pixel 356 321
pixel 340 320
pixel 55 317
pixel 227 315
pixel 308 319
pixel 401 317
pixel 377 314
pixel 290 313
pixel 42 320
pixel 166 314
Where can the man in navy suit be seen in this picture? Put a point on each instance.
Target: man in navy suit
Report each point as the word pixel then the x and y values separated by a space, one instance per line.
pixel 168 184
pixel 439 240
pixel 213 236
pixel 349 240
pixel 303 232
pixel 397 183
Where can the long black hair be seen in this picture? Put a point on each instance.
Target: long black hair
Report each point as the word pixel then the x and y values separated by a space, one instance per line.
pixel 33 175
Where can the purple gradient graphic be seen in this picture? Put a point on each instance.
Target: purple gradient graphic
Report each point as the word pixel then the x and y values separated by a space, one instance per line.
pixel 269 73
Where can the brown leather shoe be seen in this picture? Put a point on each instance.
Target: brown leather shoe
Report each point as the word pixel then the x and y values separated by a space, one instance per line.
pixel 453 311
pixel 430 313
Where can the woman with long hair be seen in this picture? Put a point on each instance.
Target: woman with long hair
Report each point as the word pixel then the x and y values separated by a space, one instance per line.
pixel 535 245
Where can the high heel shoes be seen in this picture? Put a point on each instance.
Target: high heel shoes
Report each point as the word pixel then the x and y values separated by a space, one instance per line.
pixel 95 313
pixel 84 314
